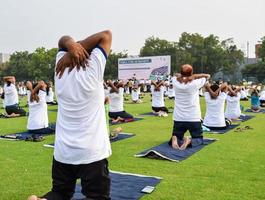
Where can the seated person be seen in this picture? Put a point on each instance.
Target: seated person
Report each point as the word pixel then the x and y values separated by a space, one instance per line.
pixel 38 123
pixel 171 92
pixel 135 94
pixel 233 111
pixel 11 98
pixel 243 94
pixel 262 98
pixel 50 94
pixel 215 97
pixel 255 102
pixel 158 103
pixel 116 110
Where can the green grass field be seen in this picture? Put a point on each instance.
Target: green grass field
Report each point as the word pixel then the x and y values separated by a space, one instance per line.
pixel 229 169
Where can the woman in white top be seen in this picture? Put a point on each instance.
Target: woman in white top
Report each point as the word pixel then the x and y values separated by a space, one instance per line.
pixel 135 94
pixel 38 122
pixel 233 110
pixel 50 94
pixel 171 92
pixel 243 94
pixel 116 110
pixel 158 102
pixel 11 98
pixel 215 97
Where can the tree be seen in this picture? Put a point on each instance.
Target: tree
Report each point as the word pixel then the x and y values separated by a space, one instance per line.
pixel 255 70
pixel 261 51
pixel 158 47
pixel 111 70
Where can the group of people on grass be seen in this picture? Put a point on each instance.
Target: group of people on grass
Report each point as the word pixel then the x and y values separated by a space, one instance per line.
pixel 82 143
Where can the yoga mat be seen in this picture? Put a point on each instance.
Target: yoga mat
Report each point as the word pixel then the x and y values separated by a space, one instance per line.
pixel 152 114
pixel 261 111
pixel 135 119
pixel 246 117
pixel 121 136
pixel 231 127
pixel 24 135
pixel 166 152
pixel 124 186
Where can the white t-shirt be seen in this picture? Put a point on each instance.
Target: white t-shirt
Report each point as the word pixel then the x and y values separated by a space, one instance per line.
pixel 50 96
pixel 81 129
pixel 215 116
pixel 38 115
pixel 20 90
pixel 158 97
pixel 243 94
pixel 116 101
pixel 170 92
pixel 262 95
pixel 187 103
pixel 11 96
pixel 233 110
pixel 135 95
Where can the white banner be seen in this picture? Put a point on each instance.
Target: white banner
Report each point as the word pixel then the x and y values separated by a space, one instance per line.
pixel 152 67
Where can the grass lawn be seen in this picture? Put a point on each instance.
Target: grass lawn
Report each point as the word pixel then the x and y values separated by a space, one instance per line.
pixel 231 168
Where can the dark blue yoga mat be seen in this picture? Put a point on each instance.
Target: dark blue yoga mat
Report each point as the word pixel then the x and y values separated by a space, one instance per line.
pixel 246 117
pixel 135 119
pixel 121 136
pixel 261 111
pixel 124 186
pixel 24 135
pixel 165 151
pixel 232 126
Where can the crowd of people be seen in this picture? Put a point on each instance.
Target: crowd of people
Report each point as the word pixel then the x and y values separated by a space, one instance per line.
pixel 85 101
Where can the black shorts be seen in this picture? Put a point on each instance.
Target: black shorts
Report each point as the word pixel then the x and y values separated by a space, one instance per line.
pixel 195 129
pixel 15 109
pixel 122 114
pixel 157 109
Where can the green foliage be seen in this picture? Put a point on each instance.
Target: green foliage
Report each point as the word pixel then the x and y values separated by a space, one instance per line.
pixel 255 70
pixel 206 54
pixel 111 70
pixel 38 65
pixel 261 51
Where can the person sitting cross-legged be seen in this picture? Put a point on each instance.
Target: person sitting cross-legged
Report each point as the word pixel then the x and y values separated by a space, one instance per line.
pixel 38 123
pixel 215 97
pixel 158 102
pixel 116 110
pixel 233 111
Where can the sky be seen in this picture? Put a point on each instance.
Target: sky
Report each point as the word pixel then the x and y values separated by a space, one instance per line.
pixel 29 24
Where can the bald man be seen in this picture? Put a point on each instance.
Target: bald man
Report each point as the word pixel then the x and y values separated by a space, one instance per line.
pixel 187 112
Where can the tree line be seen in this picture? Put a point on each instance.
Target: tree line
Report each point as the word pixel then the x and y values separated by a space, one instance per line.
pixel 207 55
pixel 257 70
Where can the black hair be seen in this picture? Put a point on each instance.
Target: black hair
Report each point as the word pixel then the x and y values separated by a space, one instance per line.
pixel 8 83
pixel 34 85
pixel 214 87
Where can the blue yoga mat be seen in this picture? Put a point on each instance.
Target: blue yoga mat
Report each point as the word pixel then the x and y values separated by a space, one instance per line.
pixel 165 151
pixel 231 127
pixel 124 186
pixel 246 117
pixel 121 136
pixel 24 135
pixel 261 111
pixel 135 119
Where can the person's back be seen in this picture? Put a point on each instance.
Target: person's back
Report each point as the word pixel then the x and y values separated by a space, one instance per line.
pixel 81 127
pixel 11 96
pixel 187 103
pixel 232 110
pixel 214 116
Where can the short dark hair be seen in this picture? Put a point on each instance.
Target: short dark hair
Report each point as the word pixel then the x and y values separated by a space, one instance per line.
pixel 214 87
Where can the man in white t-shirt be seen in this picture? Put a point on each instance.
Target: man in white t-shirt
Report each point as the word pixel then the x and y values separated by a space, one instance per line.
pixel 187 111
pixel 11 98
pixel 215 97
pixel 50 94
pixel 116 109
pixel 82 143
pixel 262 98
pixel 38 123
pixel 158 102
pixel 233 111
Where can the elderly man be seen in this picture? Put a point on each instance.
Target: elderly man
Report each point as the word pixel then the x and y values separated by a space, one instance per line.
pixel 82 143
pixel 187 112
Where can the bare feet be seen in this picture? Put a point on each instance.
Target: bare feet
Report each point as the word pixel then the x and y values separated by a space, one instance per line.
pixel 34 197
pixel 186 142
pixel 175 142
